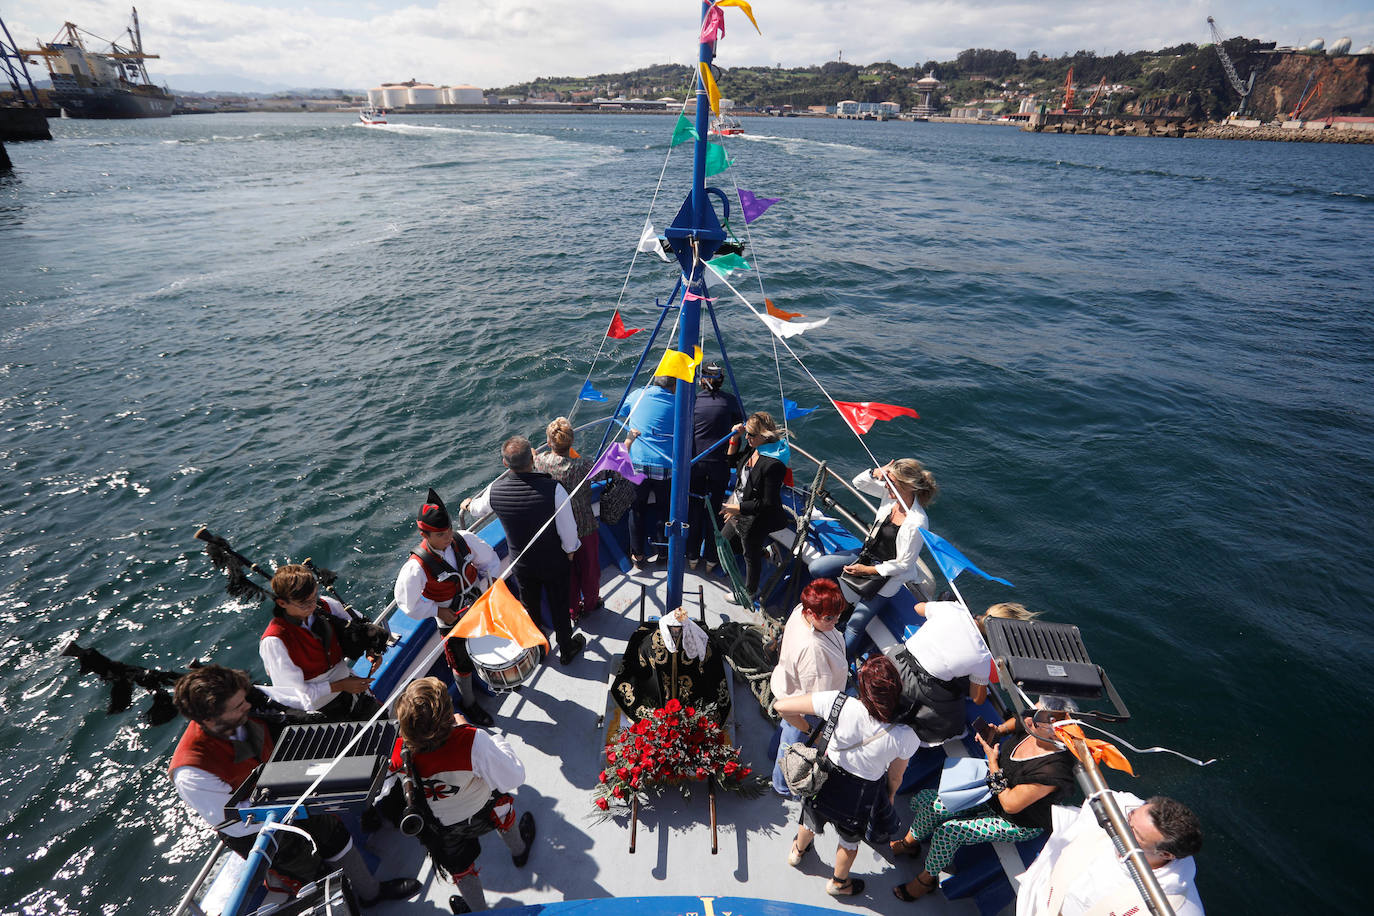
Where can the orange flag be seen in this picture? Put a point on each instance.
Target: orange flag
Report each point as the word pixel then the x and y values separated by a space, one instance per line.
pixel 499 613
pixel 779 313
pixel 1103 752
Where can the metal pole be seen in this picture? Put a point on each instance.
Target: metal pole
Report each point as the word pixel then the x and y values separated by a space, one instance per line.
pixel 258 861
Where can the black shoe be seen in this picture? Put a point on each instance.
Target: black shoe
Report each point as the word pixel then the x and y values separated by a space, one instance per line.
pixel 395 889
pixel 527 834
pixel 457 904
pixel 476 715
pixel 574 647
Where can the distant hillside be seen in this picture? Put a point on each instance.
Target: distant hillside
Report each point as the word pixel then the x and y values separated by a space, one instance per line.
pixel 1186 80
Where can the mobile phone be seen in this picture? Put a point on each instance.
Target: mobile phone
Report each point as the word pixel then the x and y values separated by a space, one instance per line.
pixel 982 729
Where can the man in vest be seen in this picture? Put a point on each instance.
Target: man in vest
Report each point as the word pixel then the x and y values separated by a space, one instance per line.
pixel 434 580
pixel 221 748
pixel 303 654
pixel 466 776
pixel 1078 872
pixel 525 501
pixel 714 416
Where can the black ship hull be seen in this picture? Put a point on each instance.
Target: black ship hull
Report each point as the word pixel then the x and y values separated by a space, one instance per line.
pixel 114 103
pixel 23 124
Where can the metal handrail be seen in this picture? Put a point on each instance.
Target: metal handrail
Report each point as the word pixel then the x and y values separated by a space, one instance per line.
pixel 188 903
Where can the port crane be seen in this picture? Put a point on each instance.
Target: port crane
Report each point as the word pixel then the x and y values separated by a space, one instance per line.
pixel 1242 89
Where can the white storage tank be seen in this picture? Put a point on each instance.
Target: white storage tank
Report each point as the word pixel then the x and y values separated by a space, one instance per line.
pixel 1367 49
pixel 394 97
pixel 425 96
pixel 375 97
pixel 466 95
pixel 1316 44
pixel 1339 46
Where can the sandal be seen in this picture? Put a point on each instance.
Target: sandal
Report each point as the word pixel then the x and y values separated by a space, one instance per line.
pixel 794 857
pixel 904 847
pixel 906 896
pixel 849 887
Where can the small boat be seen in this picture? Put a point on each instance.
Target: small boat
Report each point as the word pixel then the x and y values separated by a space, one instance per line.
pixel 726 126
pixel 372 116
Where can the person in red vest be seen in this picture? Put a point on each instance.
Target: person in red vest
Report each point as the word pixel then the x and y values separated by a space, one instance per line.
pixel 467 775
pixel 446 567
pixel 303 652
pixel 220 749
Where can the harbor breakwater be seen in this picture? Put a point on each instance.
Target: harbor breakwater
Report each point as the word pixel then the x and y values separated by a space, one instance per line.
pixel 1323 131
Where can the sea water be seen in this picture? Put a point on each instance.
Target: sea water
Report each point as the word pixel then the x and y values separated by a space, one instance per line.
pixel 1142 368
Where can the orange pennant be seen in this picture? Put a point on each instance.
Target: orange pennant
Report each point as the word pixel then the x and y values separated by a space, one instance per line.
pixel 499 613
pixel 1103 752
pixel 779 313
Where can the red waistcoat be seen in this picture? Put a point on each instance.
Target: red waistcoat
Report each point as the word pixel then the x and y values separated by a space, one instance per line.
pixel 443 592
pixel 454 756
pixel 204 751
pixel 304 647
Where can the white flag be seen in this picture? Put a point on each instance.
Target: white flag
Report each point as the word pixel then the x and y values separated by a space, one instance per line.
pixel 787 329
pixel 648 242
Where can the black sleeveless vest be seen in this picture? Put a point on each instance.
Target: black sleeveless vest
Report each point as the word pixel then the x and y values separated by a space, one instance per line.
pixel 524 502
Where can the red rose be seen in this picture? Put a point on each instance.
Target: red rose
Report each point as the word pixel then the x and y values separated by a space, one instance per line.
pixel 610 756
pixel 603 777
pixel 659 714
pixel 672 706
pixel 636 770
pixel 623 772
pixel 701 773
pixel 618 792
pixel 602 804
pixel 634 781
pixel 745 771
pixel 730 767
pixel 690 710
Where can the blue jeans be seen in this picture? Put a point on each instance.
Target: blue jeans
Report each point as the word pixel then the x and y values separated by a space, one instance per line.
pixel 787 734
pixel 830 567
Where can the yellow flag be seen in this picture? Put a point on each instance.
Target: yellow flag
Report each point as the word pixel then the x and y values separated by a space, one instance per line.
pixel 712 92
pixel 744 6
pixel 679 365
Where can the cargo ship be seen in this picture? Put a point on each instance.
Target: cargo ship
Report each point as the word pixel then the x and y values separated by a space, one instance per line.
pixel 103 84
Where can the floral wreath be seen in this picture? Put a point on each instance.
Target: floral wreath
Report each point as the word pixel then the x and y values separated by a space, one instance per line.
pixel 674 746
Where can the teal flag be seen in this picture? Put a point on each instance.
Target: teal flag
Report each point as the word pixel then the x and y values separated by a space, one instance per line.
pixel 715 159
pixel 726 263
pixel 684 131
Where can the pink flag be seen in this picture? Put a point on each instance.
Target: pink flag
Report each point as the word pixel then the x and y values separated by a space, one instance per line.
pixel 690 297
pixel 862 415
pixel 712 26
pixel 617 459
pixel 618 329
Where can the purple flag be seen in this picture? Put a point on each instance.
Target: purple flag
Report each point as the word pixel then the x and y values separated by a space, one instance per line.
pixel 753 206
pixel 617 459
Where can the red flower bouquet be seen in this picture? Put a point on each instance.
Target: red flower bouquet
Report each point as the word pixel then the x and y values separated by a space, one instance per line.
pixel 676 746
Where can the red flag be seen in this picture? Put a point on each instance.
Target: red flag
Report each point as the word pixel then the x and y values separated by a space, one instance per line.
pixel 779 313
pixel 618 329
pixel 862 415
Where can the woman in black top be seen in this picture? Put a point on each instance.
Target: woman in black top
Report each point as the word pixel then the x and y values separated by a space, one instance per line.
pixel 1028 772
pixel 754 510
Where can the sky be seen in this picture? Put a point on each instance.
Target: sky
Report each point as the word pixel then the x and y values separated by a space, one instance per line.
pixel 357 44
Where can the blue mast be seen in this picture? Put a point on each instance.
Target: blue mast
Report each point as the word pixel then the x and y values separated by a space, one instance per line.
pixel 695 234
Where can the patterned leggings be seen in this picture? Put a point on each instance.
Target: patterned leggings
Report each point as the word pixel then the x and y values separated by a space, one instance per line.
pixel 947 832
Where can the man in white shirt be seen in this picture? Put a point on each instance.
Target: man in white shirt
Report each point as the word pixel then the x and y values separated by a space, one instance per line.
pixel 446 568
pixel 1078 872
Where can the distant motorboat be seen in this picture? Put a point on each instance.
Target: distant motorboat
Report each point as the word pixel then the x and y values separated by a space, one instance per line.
pixel 726 126
pixel 372 116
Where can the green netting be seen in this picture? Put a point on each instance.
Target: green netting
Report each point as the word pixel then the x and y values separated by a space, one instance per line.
pixel 727 562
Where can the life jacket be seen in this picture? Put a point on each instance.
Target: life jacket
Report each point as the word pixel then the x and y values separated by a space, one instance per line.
pixel 307 652
pixel 442 581
pixel 204 751
pixel 454 792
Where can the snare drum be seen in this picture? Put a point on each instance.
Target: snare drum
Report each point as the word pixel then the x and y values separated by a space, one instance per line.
pixel 501 662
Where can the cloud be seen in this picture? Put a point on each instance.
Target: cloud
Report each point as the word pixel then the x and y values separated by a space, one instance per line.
pixel 358 44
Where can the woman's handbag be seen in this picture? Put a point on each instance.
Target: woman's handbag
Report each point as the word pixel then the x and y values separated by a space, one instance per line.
pixel 864 587
pixel 964 783
pixel 804 767
pixel 616 497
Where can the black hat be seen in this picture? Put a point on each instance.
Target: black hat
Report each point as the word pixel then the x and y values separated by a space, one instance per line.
pixel 433 516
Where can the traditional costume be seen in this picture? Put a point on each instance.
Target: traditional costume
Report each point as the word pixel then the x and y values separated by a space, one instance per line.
pixel 304 658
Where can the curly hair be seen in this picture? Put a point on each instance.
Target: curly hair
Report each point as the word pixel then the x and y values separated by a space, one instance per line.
pixel 424 714
pixel 1181 829
pixel 822 596
pixel 201 694
pixel 880 687
pixel 560 435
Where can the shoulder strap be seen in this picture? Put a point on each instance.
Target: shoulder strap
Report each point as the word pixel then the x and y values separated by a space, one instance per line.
pixel 830 725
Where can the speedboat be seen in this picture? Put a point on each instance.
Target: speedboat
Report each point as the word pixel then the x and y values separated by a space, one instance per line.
pixel 726 126
pixel 372 116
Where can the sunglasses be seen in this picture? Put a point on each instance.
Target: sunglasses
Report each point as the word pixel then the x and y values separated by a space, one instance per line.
pixel 822 616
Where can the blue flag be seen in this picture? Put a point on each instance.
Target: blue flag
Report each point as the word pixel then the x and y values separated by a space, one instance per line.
pixel 791 411
pixel 950 560
pixel 589 393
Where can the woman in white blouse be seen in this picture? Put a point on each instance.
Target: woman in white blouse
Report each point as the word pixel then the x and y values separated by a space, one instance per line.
pixel 810 660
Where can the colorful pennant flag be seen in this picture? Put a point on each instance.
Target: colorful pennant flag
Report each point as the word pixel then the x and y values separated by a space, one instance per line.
pixel 499 613
pixel 709 82
pixel 616 458
pixel 712 25
pixel 716 160
pixel 726 264
pixel 779 313
pixel 684 131
pixel 589 393
pixel 861 415
pixel 744 5
pixel 1103 752
pixel 648 242
pixel 778 449
pixel 753 206
pixel 693 297
pixel 791 411
pixel 786 329
pixel 950 560
pixel 618 329
pixel 679 365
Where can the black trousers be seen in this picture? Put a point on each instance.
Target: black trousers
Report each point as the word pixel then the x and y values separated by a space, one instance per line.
pixel 548 581
pixel 708 494
pixel 294 857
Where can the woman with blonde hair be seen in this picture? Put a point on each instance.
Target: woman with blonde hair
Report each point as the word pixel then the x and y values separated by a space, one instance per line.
pixel 891 552
pixel 570 470
pixel 754 509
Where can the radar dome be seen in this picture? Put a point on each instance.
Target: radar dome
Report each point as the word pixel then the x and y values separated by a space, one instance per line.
pixel 1316 44
pixel 1339 46
pixel 1367 49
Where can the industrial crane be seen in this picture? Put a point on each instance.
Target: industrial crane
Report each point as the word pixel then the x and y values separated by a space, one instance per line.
pixel 1242 89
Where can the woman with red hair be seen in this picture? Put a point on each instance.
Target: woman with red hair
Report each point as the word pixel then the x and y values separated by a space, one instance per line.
pixel 810 660
pixel 868 753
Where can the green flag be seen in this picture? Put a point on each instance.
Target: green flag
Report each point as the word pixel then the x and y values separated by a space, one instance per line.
pixel 684 130
pixel 727 263
pixel 715 159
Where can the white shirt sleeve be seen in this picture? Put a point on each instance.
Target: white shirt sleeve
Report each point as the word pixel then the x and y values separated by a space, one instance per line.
pixel 409 591
pixel 482 554
pixel 495 761
pixel 285 675
pixel 481 503
pixel 564 521
pixel 208 794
